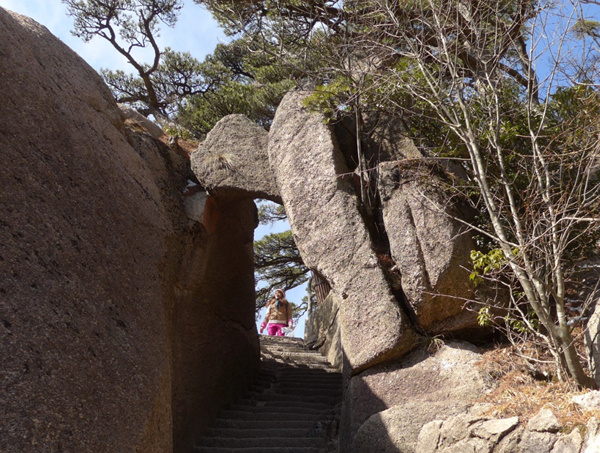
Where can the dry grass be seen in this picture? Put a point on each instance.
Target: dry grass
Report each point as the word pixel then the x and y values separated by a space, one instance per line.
pixel 518 393
pixel 188 146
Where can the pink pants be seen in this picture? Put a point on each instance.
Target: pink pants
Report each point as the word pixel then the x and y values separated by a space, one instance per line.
pixel 275 329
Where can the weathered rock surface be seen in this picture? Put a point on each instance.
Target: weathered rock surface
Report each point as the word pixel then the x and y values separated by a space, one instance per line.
pixel 322 330
pixel 104 309
pixel 589 400
pixel 328 229
pixel 448 376
pixel 390 142
pixel 544 422
pixel 464 432
pixel 214 339
pixel 136 120
pixel 397 428
pixel 588 290
pixel 385 142
pixel 469 432
pixel 233 161
pixel 431 249
pixel 592 437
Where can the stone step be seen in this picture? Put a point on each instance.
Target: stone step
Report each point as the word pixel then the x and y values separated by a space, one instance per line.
pixel 297 358
pixel 273 415
pixel 311 373
pixel 314 372
pixel 308 383
pixel 300 352
pixel 268 424
pixel 259 450
pixel 270 340
pixel 326 372
pixel 263 442
pixel 261 388
pixel 272 346
pixel 276 350
pixel 328 399
pixel 286 409
pixel 301 365
pixel 263 376
pixel 243 433
pixel 267 339
pixel 289 408
pixel 271 403
pixel 307 391
pixel 332 386
pixel 307 380
pixel 265 379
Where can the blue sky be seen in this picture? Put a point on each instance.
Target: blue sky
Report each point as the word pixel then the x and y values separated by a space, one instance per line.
pixel 195 32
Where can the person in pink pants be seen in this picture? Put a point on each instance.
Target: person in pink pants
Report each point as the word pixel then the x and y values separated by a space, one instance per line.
pixel 279 314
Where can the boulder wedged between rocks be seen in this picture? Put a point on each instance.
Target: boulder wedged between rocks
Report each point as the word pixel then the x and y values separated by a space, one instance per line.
pixel 232 161
pixel 331 235
pixel 430 247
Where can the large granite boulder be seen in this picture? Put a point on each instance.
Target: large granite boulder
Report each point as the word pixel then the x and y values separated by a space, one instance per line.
pixel 449 376
pixel 474 432
pixel 397 428
pixel 106 311
pixel 467 432
pixel 322 330
pixel 233 163
pixel 430 247
pixel 586 293
pixel 329 231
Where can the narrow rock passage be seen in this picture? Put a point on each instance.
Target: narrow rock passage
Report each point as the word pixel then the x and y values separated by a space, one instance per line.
pixel 292 407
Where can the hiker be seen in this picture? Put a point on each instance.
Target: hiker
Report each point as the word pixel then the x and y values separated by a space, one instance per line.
pixel 279 314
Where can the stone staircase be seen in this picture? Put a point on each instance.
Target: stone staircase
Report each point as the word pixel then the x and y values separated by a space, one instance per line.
pixel 293 406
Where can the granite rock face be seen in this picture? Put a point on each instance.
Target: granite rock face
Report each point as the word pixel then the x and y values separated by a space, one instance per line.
pixel 215 344
pixel 450 376
pixel 389 143
pixel 588 291
pixel 470 431
pixel 330 233
pixel 138 121
pixel 322 330
pixel 233 163
pixel 105 298
pixel 397 428
pixel 430 248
